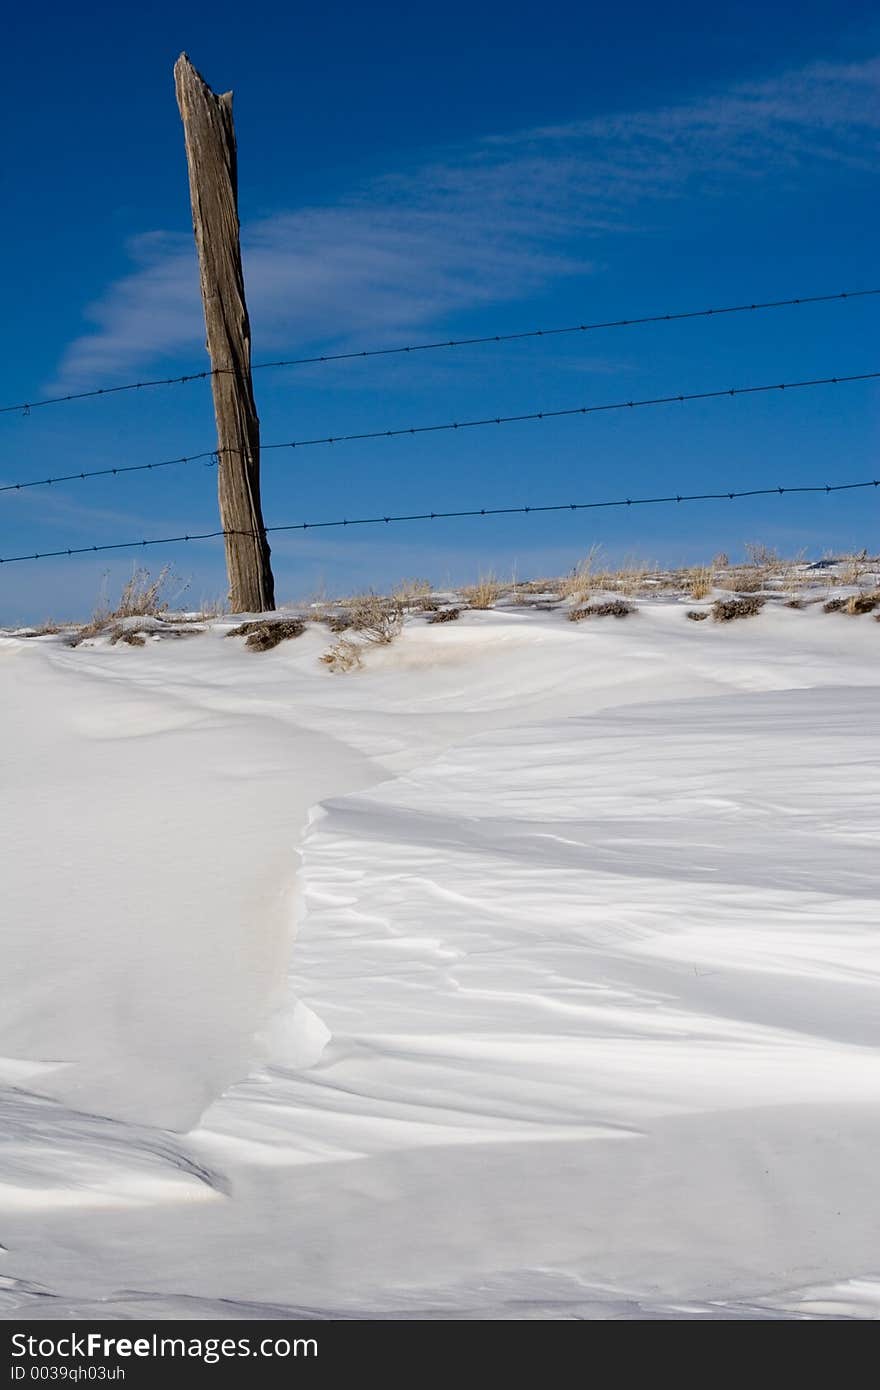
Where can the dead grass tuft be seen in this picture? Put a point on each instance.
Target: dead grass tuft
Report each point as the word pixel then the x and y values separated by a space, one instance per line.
pixel 743 581
pixel 47 629
pixel 584 579
pixel 724 610
pixel 485 593
pixel 632 578
pixel 761 556
pixel 135 635
pixel 411 593
pixel 376 619
pixel 344 655
pixel 855 604
pixel 142 597
pixel 854 568
pixel 701 581
pixel 208 610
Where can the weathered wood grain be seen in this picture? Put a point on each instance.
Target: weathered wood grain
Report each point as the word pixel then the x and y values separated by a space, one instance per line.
pixel 213 184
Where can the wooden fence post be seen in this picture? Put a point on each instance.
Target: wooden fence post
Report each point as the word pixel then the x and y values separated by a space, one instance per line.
pixel 213 184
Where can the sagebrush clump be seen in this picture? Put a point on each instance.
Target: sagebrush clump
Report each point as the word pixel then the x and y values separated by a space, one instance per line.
pixel 264 634
pixel 376 619
pixel 725 610
pixel 612 608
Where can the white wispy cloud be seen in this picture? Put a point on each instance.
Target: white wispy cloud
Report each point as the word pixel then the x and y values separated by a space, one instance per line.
pixel 491 222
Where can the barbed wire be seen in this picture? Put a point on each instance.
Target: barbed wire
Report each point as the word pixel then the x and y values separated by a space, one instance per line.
pixel 675 498
pixel 678 398
pixel 25 407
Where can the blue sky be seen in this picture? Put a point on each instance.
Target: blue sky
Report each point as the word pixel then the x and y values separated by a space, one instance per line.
pixel 407 172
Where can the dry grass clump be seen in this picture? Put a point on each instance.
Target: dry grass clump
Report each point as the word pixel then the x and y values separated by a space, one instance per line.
pixel 864 603
pixel 47 629
pixel 584 579
pixel 140 598
pixel 701 581
pixel 855 604
pixel 751 578
pixel 485 593
pixel 612 608
pixel 445 615
pixel 697 615
pixel 344 655
pixel 94 628
pixel 209 609
pixel 412 593
pixel 794 574
pixel 632 579
pixel 760 556
pixel 377 619
pixel 854 568
pixel 263 635
pixel 743 581
pixel 724 610
pixel 540 586
pixel 133 634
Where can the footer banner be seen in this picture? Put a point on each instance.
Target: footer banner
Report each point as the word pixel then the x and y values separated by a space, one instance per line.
pixel 272 1353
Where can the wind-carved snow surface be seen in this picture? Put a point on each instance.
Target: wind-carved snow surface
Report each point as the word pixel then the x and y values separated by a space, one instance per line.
pixel 581 1017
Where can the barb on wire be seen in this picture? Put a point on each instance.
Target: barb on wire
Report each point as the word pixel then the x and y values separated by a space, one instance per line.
pixel 678 398
pixel 675 498
pixel 211 454
pixel 25 407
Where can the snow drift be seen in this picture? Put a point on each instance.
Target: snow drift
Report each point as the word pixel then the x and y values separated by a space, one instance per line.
pixel 580 1018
